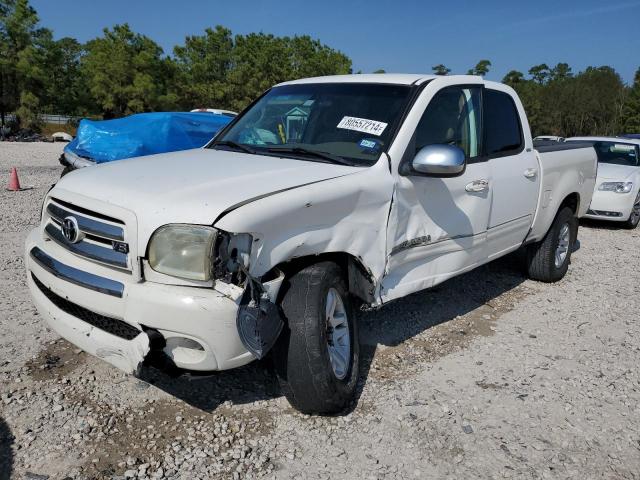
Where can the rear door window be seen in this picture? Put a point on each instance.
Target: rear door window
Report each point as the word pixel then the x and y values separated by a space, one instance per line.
pixel 503 131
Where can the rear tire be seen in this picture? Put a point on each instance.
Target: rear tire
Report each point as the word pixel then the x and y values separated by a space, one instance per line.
pixel 310 354
pixel 548 260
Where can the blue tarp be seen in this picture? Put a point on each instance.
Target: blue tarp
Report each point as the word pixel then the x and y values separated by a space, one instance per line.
pixel 144 134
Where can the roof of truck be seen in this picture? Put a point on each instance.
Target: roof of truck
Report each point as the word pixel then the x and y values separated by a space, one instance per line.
pixel 397 78
pixel 634 141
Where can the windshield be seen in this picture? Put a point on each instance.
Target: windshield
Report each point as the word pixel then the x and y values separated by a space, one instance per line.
pixel 617 153
pixel 349 122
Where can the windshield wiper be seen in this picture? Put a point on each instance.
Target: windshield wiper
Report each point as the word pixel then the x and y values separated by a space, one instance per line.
pixel 312 153
pixel 235 146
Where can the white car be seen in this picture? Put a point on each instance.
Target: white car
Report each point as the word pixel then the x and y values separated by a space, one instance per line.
pixel 617 194
pixel 548 138
pixel 217 111
pixel 326 193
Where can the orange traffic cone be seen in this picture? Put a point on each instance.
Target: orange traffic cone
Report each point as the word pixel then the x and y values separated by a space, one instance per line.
pixel 14 182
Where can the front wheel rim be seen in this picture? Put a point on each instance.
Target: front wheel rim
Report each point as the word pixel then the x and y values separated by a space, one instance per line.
pixel 562 250
pixel 338 336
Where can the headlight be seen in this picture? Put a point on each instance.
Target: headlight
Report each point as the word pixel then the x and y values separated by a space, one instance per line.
pixel 618 187
pixel 184 251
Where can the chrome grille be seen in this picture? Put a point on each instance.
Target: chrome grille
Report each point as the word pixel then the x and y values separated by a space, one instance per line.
pixel 101 235
pixel 87 225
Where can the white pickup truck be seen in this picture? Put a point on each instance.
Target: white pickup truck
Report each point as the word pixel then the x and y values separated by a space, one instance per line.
pixel 324 194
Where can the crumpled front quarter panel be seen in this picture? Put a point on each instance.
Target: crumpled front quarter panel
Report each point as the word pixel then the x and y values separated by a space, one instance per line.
pixel 345 214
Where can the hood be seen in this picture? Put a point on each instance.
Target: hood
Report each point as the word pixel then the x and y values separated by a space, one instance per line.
pixel 193 186
pixel 615 173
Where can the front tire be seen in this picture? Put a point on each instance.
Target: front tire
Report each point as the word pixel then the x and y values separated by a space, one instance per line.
pixel 634 218
pixel 548 260
pixel 317 354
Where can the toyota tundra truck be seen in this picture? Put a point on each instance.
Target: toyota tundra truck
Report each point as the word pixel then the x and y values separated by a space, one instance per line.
pixel 325 195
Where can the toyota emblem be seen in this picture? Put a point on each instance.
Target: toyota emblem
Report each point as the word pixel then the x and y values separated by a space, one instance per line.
pixel 70 230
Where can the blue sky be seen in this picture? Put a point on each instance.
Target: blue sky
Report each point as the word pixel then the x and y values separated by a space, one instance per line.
pixel 399 36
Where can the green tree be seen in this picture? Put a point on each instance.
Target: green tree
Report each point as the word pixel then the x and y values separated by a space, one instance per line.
pixel 126 72
pixel 380 70
pixel 540 73
pixel 27 111
pixel 440 69
pixel 260 60
pixel 598 97
pixel 631 111
pixel 561 71
pixel 514 77
pixel 311 58
pixel 218 70
pixel 65 90
pixel 203 64
pixel 481 68
pixel 18 56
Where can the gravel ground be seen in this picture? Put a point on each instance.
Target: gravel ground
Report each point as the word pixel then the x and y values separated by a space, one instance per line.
pixel 486 376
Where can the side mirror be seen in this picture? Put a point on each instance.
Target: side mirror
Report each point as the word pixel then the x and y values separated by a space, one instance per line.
pixel 439 161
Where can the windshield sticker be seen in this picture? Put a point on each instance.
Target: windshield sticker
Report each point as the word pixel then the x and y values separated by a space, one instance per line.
pixel 369 145
pixel 362 125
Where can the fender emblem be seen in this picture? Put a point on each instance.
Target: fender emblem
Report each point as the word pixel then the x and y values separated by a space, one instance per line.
pixel 414 242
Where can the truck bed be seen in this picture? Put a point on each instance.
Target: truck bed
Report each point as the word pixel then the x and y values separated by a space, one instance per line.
pixel 548 147
pixel 562 167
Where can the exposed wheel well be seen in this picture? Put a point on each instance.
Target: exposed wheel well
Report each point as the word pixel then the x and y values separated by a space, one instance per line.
pixel 360 279
pixel 572 201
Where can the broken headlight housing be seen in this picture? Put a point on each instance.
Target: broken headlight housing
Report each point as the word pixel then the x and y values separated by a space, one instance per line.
pixel 196 252
pixel 232 253
pixel 618 187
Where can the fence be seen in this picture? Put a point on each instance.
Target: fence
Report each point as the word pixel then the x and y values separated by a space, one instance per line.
pixel 48 118
pixel 58 119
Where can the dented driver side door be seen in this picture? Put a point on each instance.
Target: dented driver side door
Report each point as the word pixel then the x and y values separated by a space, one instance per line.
pixel 438 226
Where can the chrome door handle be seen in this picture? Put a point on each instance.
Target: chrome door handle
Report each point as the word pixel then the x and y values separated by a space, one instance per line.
pixel 530 172
pixel 477 186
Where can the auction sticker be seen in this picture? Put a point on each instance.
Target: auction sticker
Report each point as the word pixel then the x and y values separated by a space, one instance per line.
pixel 362 125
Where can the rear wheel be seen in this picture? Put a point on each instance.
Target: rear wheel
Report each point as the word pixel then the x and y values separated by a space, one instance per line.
pixel 317 355
pixel 548 260
pixel 634 218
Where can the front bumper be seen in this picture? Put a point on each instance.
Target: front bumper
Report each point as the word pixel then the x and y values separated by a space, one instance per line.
pixel 198 324
pixel 611 206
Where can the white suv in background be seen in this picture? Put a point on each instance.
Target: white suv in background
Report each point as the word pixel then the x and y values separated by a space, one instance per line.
pixel 617 194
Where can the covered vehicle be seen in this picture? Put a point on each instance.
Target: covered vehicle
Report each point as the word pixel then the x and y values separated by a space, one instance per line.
pixel 139 135
pixel 617 194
